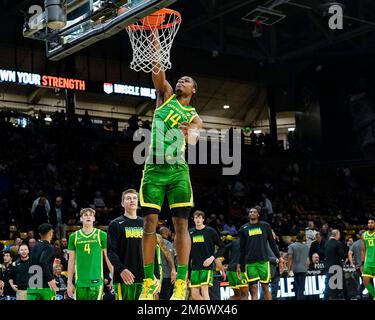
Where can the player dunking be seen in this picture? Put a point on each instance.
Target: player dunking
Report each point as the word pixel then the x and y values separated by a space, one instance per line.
pixel 167 173
pixel 368 256
pixel 87 247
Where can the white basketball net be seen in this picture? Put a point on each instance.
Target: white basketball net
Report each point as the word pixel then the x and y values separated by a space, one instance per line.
pixel 148 54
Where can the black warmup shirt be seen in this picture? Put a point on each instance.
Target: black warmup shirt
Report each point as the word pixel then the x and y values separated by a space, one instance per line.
pixel 253 243
pixel 125 247
pixel 43 255
pixel 232 254
pixel 203 246
pixel 20 273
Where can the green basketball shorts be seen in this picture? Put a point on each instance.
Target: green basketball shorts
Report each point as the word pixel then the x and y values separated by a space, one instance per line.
pixel 234 282
pixel 89 293
pixel 127 291
pixel 172 180
pixel 368 271
pixel 258 271
pixel 200 278
pixel 41 294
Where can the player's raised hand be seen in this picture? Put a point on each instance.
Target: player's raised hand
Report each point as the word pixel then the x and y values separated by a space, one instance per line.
pixel 127 276
pixel 70 290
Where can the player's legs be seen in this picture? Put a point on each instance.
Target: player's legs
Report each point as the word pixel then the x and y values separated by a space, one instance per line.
pixel 368 275
pixel 151 196
pixel 150 224
pixel 254 290
pixel 233 282
pixel 204 292
pixel 236 295
pixel 264 272
pixel 206 279
pixel 151 285
pixel 195 293
pixel 244 293
pixel 195 285
pixel 266 291
pixel 252 276
pixel 182 245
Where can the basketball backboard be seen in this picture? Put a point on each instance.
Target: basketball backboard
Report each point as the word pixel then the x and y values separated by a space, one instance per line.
pixel 87 22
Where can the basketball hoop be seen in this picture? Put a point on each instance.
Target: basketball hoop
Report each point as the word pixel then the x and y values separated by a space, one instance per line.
pixel 151 38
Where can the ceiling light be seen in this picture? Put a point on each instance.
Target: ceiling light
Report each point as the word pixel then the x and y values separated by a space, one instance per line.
pixel 257 131
pixel 226 106
pixel 291 129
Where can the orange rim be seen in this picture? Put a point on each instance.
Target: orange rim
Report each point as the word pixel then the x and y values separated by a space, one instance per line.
pixel 160 12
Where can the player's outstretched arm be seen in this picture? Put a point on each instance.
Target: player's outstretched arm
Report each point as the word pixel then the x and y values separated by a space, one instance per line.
pixel 163 88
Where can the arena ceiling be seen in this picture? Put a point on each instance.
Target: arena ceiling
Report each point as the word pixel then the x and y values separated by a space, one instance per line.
pixel 231 62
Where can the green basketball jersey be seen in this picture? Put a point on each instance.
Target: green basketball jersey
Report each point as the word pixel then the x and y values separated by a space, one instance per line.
pixel 369 239
pixel 89 258
pixel 167 140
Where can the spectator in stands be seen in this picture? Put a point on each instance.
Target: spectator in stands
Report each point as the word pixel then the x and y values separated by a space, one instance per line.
pixel 355 260
pixel 5 272
pixel 315 264
pixel 64 248
pixel 17 242
pixel 60 255
pixel 31 244
pixel 310 233
pixel 19 276
pixel 335 255
pixel 98 200
pixel 146 125
pixel 40 214
pixel 230 228
pixel 60 280
pixel 59 218
pixel 298 263
pixel 86 119
pixel 36 202
pixel 317 246
pixel 30 235
pixel 325 232
pixel 267 204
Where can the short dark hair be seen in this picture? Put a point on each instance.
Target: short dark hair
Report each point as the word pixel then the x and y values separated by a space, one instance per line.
pixel 44 228
pixel 133 191
pixel 199 213
pixel 371 218
pixel 300 236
